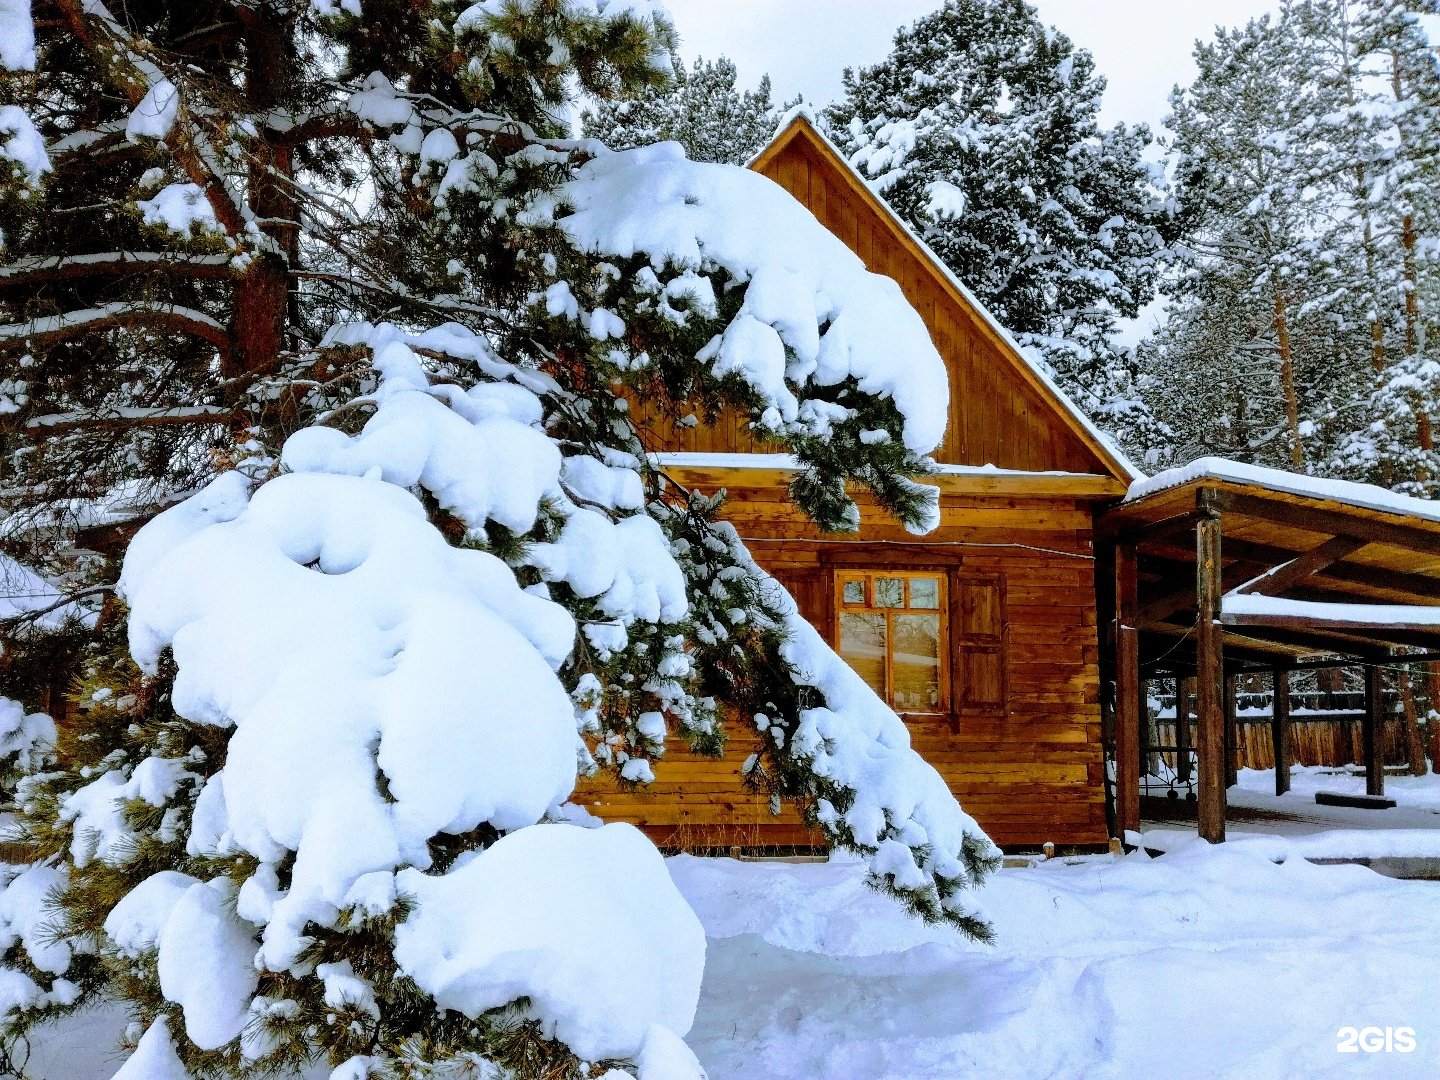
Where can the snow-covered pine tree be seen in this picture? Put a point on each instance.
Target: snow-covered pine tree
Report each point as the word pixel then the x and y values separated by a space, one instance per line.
pixel 1388 127
pixel 702 109
pixel 1244 338
pixel 331 283
pixel 981 129
pixel 1290 175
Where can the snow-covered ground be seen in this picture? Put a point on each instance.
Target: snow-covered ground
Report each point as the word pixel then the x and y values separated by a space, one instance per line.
pixel 1206 962
pixel 1295 824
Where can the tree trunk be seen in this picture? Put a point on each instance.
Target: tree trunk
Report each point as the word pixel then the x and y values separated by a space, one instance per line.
pixel 1287 381
pixel 262 297
pixel 1424 436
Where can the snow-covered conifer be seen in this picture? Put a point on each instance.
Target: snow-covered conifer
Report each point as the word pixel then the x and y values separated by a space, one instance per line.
pixel 334 291
pixel 1301 148
pixel 701 109
pixel 981 129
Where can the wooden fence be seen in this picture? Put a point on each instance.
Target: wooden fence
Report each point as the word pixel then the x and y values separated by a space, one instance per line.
pixel 1328 739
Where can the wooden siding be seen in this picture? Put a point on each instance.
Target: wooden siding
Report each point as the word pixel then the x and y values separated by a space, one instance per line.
pixel 1021 744
pixel 1022 748
pixel 998 416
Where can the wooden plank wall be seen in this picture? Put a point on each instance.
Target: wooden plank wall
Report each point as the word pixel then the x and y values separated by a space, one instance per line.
pixel 996 418
pixel 1330 741
pixel 1029 770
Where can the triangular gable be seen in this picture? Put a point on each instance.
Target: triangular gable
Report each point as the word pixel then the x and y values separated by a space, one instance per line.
pixel 1004 411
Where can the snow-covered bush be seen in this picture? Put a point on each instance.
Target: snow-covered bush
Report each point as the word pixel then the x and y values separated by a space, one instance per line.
pixel 417 575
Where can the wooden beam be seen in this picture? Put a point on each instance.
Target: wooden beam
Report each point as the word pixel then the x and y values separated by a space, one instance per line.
pixel 1231 734
pixel 1129 701
pixel 1370 727
pixel 1209 680
pixel 1257 650
pixel 1361 638
pixel 1379 530
pixel 1296 621
pixel 1352 578
pixel 1295 571
pixel 749 475
pixel 1280 730
pixel 1121 528
pixel 1183 599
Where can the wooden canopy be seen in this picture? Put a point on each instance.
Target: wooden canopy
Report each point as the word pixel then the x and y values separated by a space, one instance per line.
pixel 1232 569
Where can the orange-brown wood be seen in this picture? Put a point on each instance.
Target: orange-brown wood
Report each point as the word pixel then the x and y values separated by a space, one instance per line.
pixel 1021 748
pixel 1017 734
pixel 1002 412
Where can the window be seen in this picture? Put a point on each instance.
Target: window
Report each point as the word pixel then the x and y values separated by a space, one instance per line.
pixel 891 630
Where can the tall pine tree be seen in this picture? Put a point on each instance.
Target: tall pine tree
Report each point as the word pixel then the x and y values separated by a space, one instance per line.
pixel 330 286
pixel 1301 150
pixel 981 128
pixel 702 109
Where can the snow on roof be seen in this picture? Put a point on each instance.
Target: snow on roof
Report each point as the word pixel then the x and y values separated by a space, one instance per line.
pixel 803 113
pixel 722 460
pixel 1364 496
pixel 1241 605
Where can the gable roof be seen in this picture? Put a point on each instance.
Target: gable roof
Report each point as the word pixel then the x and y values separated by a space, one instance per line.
pixel 800 124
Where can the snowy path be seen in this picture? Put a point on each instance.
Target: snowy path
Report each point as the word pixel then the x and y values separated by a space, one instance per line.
pixel 1202 964
pixel 1207 963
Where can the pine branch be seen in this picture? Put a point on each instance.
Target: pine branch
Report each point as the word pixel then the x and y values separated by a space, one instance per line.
pixel 181 320
pixel 118 418
pixel 29 272
pixel 133 73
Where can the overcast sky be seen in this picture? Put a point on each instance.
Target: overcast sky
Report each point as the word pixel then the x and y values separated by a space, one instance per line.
pixel 1141 46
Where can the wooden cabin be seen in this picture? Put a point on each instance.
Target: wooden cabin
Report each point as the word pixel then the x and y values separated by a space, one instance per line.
pixel 981 634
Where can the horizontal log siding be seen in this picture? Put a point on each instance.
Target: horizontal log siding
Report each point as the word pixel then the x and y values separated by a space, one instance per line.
pixel 1029 772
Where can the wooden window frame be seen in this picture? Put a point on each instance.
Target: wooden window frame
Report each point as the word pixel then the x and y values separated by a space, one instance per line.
pixel 941 577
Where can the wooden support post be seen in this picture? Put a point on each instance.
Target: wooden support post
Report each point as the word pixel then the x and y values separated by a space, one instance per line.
pixel 1280 730
pixel 1182 729
pixel 1370 728
pixel 1129 702
pixel 1209 681
pixel 1232 749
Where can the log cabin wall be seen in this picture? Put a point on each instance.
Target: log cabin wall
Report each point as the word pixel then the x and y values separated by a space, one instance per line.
pixel 1020 745
pixel 1019 740
pixel 998 415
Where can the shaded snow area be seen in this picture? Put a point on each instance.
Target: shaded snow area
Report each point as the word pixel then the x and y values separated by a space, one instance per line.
pixel 1204 963
pixel 1293 824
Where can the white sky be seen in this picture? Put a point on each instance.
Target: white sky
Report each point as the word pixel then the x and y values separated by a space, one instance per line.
pixel 1141 46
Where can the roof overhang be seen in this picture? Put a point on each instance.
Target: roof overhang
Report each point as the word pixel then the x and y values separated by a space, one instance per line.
pixel 800 123
pixel 1310 567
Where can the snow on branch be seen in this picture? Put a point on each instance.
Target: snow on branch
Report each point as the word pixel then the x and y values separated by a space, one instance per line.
pixel 154 100
pixel 26 272
pixel 165 318
pixel 812 312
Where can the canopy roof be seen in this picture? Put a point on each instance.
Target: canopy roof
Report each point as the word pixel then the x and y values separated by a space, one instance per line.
pixel 1309 566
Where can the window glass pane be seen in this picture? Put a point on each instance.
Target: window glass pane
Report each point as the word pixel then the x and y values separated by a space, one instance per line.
pixel 889 592
pixel 917 662
pixel 862 645
pixel 854 592
pixel 925 593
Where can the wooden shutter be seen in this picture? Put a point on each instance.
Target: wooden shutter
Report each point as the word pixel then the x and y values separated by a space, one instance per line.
pixel 977 644
pixel 811 586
